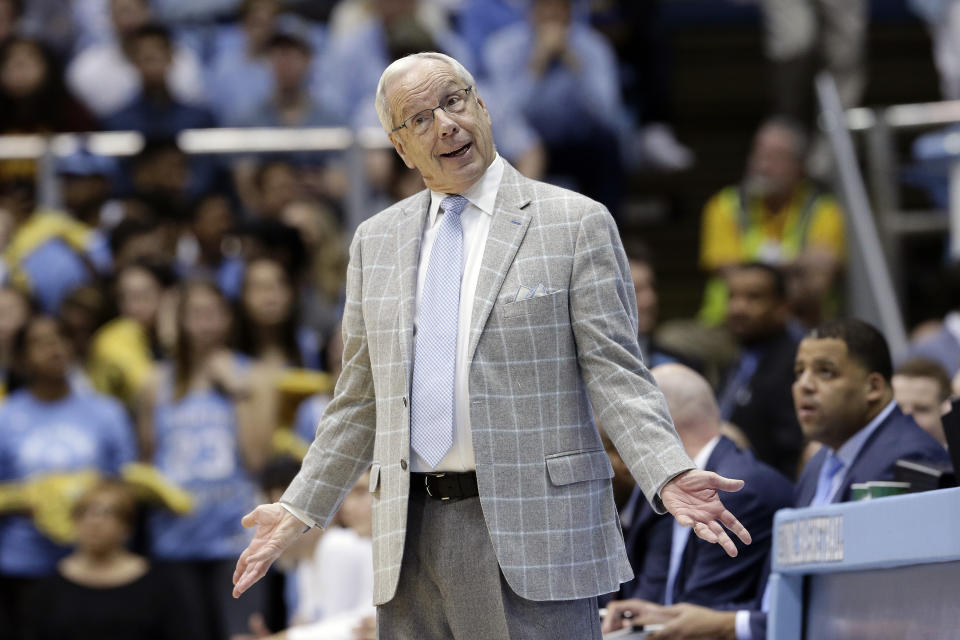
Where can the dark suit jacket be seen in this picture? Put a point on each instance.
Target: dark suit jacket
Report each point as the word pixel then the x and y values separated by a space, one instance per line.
pixel 897 438
pixel 707 575
pixel 764 408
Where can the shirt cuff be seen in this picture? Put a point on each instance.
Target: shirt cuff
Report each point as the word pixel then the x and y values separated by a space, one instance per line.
pixel 743 625
pixel 299 514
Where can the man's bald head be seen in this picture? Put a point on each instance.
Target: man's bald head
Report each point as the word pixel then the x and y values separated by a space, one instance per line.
pixel 692 405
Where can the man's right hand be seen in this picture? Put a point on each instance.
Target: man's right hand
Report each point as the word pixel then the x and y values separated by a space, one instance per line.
pixel 277 528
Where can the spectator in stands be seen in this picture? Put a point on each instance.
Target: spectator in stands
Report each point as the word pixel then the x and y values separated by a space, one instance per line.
pixel 922 389
pixel 51 253
pixel 239 75
pixel 125 351
pixel 86 186
pixel 104 77
pixel 382 32
pixel 154 111
pixel 648 308
pixel 669 566
pixel 267 321
pixel 844 401
pixel 202 251
pixel 290 104
pixel 563 76
pixel 196 428
pixel 15 309
pixel 804 35
pixel 778 216
pixel 33 98
pixel 140 238
pixel 311 409
pixel 755 392
pixel 321 289
pixel 81 314
pixel 48 428
pixel 102 589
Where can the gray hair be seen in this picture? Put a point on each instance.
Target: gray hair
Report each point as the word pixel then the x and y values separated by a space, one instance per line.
pixel 402 64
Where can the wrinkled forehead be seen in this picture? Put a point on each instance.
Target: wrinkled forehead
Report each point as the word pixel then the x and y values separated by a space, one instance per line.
pixel 420 86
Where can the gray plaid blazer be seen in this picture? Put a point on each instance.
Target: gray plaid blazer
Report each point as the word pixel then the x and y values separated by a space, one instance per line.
pixel 542 366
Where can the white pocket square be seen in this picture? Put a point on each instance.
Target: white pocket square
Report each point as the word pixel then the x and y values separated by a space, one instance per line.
pixel 525 293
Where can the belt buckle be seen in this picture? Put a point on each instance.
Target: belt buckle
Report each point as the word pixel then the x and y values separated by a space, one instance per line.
pixel 426 484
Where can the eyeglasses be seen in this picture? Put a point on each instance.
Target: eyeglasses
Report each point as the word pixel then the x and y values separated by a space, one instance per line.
pixel 421 121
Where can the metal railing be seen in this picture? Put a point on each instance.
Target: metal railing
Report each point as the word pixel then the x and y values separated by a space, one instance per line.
pixel 871 294
pixel 46 149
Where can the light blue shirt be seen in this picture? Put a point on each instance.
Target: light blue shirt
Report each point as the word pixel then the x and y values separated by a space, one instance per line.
pixel 846 454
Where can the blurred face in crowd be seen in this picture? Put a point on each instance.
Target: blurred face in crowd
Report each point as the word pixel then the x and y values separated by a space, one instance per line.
pixel 754 310
pixel 212 222
pixel 14 311
pixel 205 319
pixel 84 195
pixel 644 285
pixel 290 64
pixel 138 293
pixel 456 150
pixel 258 18
pixel 834 395
pixel 267 294
pixel 128 15
pixel 167 171
pixel 103 520
pixel 47 352
pixel 774 166
pixel 23 70
pixel 152 57
pixel 278 188
pixel 923 399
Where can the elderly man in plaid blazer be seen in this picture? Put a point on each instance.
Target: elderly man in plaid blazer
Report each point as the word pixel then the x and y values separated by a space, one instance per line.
pixel 487 320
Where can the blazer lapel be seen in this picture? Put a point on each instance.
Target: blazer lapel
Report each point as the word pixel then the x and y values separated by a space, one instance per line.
pixel 507 229
pixel 409 234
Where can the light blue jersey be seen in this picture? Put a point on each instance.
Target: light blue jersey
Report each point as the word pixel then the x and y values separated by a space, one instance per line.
pixel 197 448
pixel 81 431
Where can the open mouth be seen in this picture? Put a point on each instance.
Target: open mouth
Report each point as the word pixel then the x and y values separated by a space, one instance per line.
pixel 456 153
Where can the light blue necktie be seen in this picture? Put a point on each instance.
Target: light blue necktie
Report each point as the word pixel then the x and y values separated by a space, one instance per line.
pixel 825 483
pixel 435 349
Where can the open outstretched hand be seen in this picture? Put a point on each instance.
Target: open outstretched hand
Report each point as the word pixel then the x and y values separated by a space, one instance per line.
pixel 277 528
pixel 692 499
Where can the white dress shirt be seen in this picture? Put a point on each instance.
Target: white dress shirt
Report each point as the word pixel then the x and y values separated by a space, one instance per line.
pixel 475 219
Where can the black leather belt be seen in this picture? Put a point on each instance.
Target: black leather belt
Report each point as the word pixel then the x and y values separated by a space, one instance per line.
pixel 445 485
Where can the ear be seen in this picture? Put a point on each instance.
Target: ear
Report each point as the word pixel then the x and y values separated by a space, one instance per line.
pixel 398 145
pixel 876 386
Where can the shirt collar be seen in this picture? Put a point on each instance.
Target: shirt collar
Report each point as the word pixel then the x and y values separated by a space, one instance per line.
pixel 850 449
pixel 482 193
pixel 703 456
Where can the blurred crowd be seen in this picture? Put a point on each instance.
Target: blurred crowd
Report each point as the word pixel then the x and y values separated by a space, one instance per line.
pixel 169 322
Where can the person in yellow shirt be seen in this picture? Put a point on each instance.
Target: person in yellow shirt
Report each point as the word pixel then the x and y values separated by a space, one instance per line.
pixel 776 215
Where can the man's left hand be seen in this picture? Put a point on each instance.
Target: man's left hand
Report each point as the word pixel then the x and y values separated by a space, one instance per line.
pixel 692 499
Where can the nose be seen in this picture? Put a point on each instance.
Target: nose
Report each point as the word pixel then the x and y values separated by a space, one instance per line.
pixel 447 125
pixel 804 382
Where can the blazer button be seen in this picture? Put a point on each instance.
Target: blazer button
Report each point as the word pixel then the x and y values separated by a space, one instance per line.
pixel 404 401
pixel 403 463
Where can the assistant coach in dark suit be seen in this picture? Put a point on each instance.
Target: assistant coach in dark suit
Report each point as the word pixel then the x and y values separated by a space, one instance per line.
pixel 844 400
pixel 695 571
pixel 487 319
